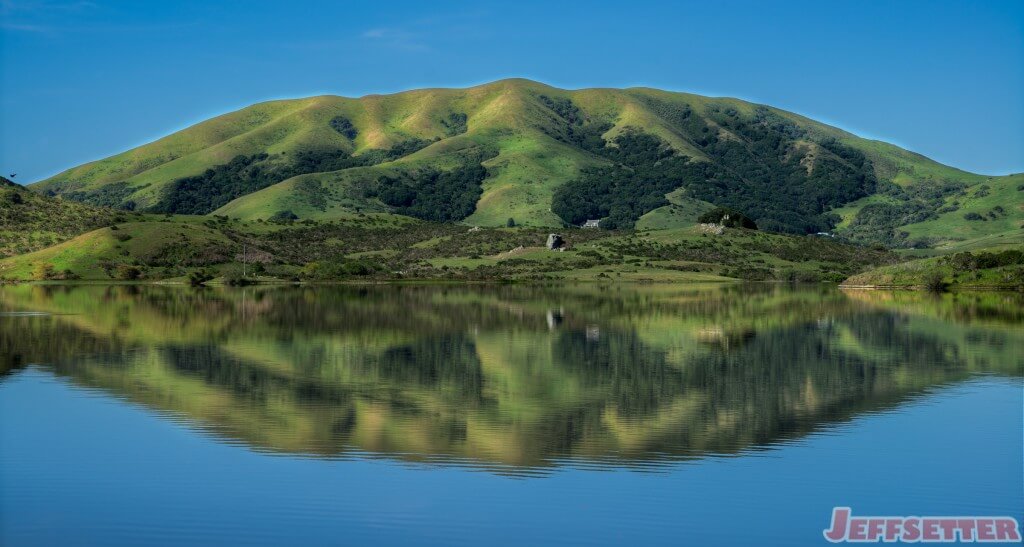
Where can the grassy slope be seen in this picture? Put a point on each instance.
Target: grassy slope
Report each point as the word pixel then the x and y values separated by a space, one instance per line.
pixel 917 273
pixel 132 241
pixel 506 114
pixel 29 221
pixel 681 212
pixel 1003 192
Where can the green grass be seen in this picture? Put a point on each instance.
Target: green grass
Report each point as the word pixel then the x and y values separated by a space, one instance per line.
pixel 383 246
pixel 29 221
pixel 924 273
pixel 952 226
pixel 849 211
pixel 680 213
pixel 131 243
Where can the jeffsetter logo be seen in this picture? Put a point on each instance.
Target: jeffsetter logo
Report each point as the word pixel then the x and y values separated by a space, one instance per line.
pixel 846 527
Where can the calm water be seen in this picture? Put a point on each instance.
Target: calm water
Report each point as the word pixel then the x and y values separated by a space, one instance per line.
pixel 500 415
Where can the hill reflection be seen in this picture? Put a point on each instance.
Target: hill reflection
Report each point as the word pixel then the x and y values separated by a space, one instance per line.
pixel 509 378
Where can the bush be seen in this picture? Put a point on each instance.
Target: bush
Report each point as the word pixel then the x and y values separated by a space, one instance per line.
pixel 339 269
pixel 934 282
pixel 236 276
pixel 342 125
pixel 199 277
pixel 727 217
pixel 973 216
pixel 283 217
pixel 127 272
pixel 44 272
pixel 455 124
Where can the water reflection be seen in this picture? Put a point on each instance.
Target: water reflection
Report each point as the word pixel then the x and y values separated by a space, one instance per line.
pixel 510 378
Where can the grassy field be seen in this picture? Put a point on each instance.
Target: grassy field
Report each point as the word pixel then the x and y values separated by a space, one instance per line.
pixel 982 199
pixel 994 268
pixel 386 247
pixel 681 212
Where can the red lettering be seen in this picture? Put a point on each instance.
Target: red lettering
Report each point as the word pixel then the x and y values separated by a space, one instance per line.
pixel 858 529
pixel 986 530
pixel 875 529
pixel 840 515
pixel 966 527
pixel 892 529
pixel 948 529
pixel 1006 530
pixel 911 529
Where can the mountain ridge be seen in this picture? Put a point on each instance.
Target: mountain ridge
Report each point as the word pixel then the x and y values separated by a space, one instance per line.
pixel 532 139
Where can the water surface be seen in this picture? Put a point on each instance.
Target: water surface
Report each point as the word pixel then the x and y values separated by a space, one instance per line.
pixel 501 414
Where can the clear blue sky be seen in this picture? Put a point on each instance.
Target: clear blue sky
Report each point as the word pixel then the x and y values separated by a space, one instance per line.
pixel 86 79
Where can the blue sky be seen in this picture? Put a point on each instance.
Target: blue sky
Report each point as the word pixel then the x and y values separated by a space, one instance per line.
pixel 85 79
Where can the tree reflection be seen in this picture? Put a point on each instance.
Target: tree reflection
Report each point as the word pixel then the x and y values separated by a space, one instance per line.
pixel 508 376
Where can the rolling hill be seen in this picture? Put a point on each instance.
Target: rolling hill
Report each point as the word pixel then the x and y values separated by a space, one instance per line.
pixel 29 221
pixel 544 157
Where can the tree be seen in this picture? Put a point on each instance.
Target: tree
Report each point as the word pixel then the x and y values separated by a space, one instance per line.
pixel 44 271
pixel 127 272
pixel 511 223
pixel 198 278
pixel 934 282
pixel 727 217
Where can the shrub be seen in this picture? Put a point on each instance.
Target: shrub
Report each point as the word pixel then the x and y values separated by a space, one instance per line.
pixel 44 272
pixel 342 125
pixel 127 272
pixel 934 282
pixel 338 269
pixel 283 217
pixel 198 278
pixel 728 217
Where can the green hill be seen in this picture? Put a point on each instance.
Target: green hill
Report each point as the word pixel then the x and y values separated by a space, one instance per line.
pixel 997 268
pixel 29 221
pixel 545 156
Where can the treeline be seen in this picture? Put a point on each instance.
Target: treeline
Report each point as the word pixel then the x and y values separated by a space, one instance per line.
pixel 440 196
pixel 455 124
pixel 765 173
pixel 578 131
pixel 730 218
pixel 205 193
pixel 644 172
pixel 112 195
pixel 970 262
pixel 878 223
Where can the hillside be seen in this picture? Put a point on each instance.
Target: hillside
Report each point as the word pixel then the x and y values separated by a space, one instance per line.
pixel 1000 268
pixel 543 157
pixel 389 247
pixel 29 221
